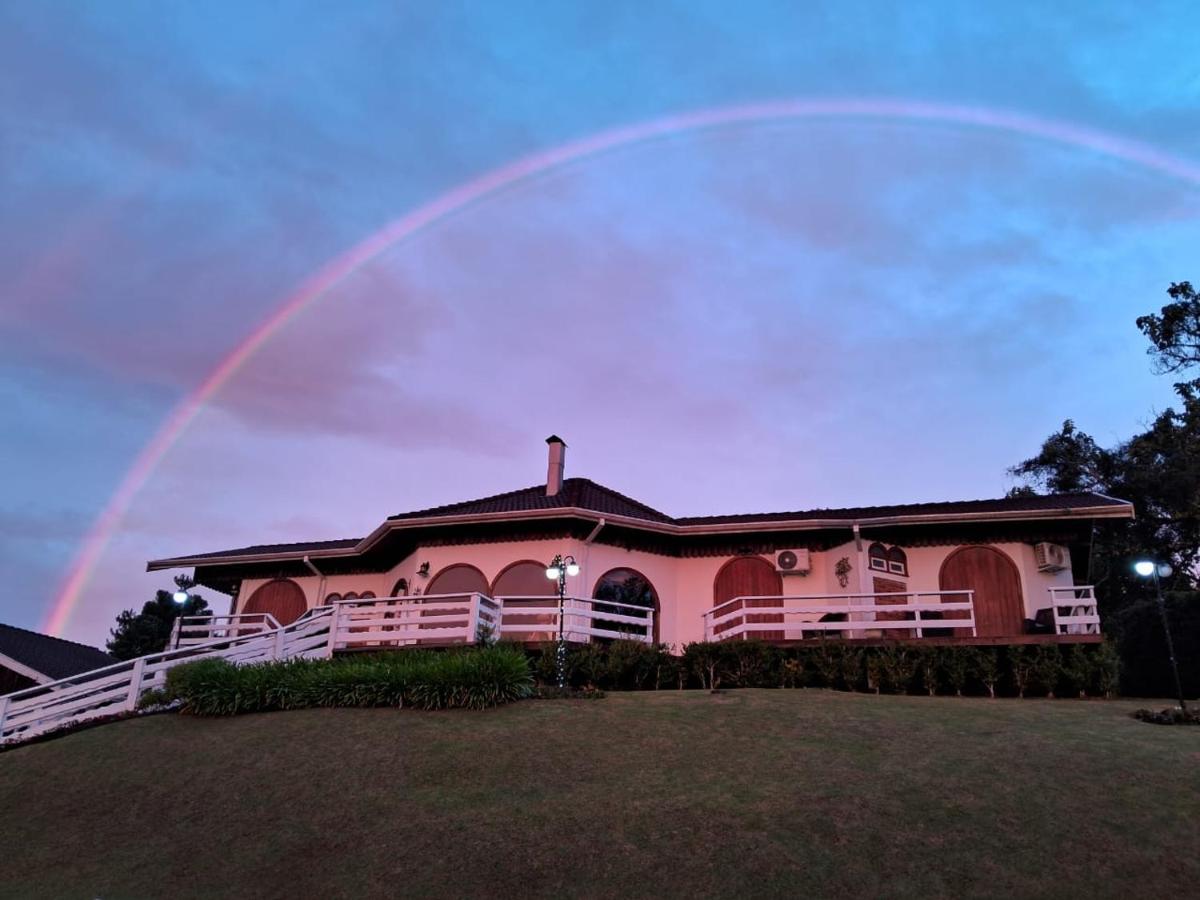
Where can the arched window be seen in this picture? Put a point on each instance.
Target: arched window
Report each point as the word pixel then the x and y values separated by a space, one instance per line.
pixel 877 557
pixel 400 588
pixel 628 587
pixel 528 620
pixel 332 598
pixel 526 578
pixel 459 578
pixel 897 562
pixel 367 595
pixel 350 595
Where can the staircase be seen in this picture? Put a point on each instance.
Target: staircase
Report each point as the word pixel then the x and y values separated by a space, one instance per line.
pixel 116 689
pixel 385 623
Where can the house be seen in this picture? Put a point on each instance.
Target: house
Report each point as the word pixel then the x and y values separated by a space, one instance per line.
pixel 1009 570
pixel 28 658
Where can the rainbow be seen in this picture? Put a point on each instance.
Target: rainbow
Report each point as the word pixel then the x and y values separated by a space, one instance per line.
pixel 508 176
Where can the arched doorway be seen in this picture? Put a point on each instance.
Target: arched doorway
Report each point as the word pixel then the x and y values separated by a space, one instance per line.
pixel 520 581
pixel 459 578
pixel 631 588
pixel 999 607
pixel 281 598
pixel 749 576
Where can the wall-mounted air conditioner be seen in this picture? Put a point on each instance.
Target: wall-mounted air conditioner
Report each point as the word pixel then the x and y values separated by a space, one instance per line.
pixel 792 562
pixel 1051 557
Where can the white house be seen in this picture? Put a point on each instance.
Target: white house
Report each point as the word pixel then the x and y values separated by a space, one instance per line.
pixel 1009 570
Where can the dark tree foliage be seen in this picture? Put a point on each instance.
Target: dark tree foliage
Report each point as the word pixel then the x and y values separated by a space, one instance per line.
pixel 1174 332
pixel 1159 472
pixel 137 634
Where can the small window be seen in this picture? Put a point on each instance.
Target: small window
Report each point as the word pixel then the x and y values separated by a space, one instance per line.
pixel 897 562
pixel 877 557
pixel 332 598
pixel 400 588
pixel 350 595
pixel 367 595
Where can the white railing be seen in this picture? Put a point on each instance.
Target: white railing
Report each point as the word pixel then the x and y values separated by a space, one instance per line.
pixel 901 614
pixel 433 620
pixel 191 630
pixel 535 618
pixel 117 688
pixel 1073 610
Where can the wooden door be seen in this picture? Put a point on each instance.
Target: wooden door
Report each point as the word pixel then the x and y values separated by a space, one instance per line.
pixel 999 607
pixel 282 598
pixel 750 576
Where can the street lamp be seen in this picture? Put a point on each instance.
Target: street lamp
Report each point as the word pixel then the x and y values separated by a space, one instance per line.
pixel 181 595
pixel 1148 568
pixel 558 570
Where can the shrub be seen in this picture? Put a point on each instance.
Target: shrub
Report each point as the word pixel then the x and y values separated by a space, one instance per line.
pixel 1046 667
pixel 897 665
pixel 1106 669
pixel 957 664
pixel 825 664
pixel 985 664
pixel 708 661
pixel 1077 670
pixel 885 668
pixel 850 667
pixel 1021 664
pixel 752 664
pixel 791 671
pixel 468 679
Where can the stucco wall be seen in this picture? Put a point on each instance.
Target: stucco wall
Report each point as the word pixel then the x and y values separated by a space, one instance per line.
pixel 684 586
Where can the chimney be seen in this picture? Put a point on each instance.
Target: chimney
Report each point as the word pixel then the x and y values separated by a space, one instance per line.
pixel 558 459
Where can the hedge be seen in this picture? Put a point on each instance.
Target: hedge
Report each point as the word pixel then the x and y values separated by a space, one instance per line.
pixel 418 679
pixel 1066 670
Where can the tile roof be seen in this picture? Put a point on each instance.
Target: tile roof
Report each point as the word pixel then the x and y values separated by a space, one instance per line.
pixel 264 549
pixel 1024 503
pixel 50 656
pixel 580 493
pixel 583 493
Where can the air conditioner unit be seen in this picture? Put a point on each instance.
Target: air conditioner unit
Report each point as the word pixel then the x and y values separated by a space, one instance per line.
pixel 1051 557
pixel 792 562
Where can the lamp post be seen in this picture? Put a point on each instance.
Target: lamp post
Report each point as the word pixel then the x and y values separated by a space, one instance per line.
pixel 182 585
pixel 558 570
pixel 1148 568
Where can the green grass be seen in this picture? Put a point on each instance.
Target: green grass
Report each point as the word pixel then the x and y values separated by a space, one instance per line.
pixel 763 793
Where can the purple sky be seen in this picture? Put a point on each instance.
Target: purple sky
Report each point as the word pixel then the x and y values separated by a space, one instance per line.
pixel 769 316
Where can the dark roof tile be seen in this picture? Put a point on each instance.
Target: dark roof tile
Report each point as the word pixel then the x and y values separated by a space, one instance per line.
pixel 1024 503
pixel 579 493
pixel 53 657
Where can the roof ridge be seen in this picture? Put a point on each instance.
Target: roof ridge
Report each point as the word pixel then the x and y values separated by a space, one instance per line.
pixel 624 497
pixel 503 494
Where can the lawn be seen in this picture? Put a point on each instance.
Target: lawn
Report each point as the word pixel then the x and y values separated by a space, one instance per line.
pixel 765 793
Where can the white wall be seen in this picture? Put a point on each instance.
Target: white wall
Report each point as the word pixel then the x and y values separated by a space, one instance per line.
pixel 684 585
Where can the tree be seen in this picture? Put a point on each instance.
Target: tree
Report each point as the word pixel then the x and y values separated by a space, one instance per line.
pixel 1069 462
pixel 1174 333
pixel 1157 470
pixel 137 634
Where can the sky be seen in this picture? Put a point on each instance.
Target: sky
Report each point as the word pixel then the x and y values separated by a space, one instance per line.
pixel 773 313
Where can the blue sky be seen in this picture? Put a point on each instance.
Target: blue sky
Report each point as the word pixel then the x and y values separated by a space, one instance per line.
pixel 769 316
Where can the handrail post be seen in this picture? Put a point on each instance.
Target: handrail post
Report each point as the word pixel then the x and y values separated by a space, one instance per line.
pixel 473 619
pixel 277 649
pixel 333 626
pixel 173 643
pixel 974 633
pixel 135 684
